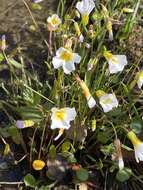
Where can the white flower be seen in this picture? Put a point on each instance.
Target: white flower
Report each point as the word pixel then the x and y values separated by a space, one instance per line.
pixel 65 58
pixel 61 117
pixel 85 7
pixel 108 102
pixel 53 22
pixel 138 146
pixel 117 63
pixel 140 79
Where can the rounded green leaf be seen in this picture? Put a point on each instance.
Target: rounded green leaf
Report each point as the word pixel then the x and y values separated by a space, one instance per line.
pixel 136 125
pixel 82 174
pixel 52 152
pixel 66 146
pixel 123 175
pixel 30 181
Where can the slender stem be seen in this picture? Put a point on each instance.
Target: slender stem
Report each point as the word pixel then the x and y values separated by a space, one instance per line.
pixel 42 139
pixel 50 41
pixel 31 148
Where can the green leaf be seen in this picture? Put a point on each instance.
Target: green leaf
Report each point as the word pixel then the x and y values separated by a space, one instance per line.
pixel 15 63
pixel 52 152
pixel 14 133
pixel 66 146
pixel 136 125
pixel 44 187
pixel 82 174
pixel 1 57
pixel 102 137
pixel 107 149
pixel 31 113
pixel 30 181
pixel 123 175
pixel 4 132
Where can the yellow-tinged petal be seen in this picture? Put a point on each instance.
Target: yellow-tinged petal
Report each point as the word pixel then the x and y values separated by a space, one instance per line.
pixel 134 139
pixel 85 19
pixel 100 93
pixel 6 149
pixel 128 10
pixel 38 164
pixel 60 114
pixel 108 55
pixel 77 28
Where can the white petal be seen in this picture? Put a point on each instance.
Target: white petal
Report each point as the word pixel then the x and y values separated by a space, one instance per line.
pixel 121 163
pixel 68 67
pixel 57 62
pixel 49 19
pixel 76 58
pixel 59 51
pixel 91 102
pixel 80 7
pixel 140 83
pixel 81 38
pixel 90 5
pixel 70 114
pixel 58 124
pixel 139 152
pixel 108 106
pixel 85 6
pixel 54 110
pixel 111 36
pixel 119 66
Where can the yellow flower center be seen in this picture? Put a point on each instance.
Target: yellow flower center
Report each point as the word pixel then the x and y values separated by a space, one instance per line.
pixel 109 56
pixel 66 55
pixel 133 138
pixel 54 21
pixel 60 114
pixel 85 19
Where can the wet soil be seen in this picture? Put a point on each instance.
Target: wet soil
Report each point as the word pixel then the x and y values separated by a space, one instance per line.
pixel 15 19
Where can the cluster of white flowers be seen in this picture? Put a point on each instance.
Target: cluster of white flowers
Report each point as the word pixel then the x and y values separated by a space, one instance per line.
pixel 65 57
